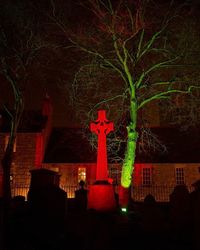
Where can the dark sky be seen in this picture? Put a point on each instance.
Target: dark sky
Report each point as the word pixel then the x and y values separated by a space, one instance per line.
pixel 56 67
pixel 51 70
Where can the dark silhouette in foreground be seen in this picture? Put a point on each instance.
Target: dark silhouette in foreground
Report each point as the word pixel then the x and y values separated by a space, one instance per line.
pixel 81 197
pixel 195 214
pixel 45 223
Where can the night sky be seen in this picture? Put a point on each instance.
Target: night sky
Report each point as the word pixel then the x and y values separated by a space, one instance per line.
pixel 56 67
pixel 51 70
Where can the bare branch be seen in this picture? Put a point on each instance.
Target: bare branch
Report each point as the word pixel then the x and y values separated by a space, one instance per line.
pixel 165 94
pixel 95 53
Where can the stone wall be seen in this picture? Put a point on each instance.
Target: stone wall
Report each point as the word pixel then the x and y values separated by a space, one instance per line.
pixel 69 172
pixel 24 157
pixel 167 176
pixel 163 174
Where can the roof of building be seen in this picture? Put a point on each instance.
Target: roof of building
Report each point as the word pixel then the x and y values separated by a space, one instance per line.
pixel 33 121
pixel 181 146
pixel 68 145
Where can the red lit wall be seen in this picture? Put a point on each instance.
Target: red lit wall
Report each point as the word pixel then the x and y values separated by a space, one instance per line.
pixel 39 151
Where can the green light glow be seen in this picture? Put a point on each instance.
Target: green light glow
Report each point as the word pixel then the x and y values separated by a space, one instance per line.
pixel 124 209
pixel 128 165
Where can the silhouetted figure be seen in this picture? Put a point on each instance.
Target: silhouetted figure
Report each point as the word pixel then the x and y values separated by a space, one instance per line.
pixel 152 223
pixel 195 213
pixel 81 197
pixel 179 215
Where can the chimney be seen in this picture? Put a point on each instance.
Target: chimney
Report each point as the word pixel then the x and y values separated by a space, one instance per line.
pixel 43 137
pixel 47 106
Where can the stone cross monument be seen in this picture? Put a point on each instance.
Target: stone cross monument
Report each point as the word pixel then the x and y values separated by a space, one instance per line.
pixel 101 195
pixel 101 127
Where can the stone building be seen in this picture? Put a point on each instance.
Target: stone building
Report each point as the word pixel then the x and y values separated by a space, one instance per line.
pixel 65 151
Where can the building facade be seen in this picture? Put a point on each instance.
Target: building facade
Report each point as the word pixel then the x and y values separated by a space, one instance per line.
pixel 30 152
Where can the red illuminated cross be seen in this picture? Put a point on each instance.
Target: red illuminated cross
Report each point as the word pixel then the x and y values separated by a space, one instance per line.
pixel 101 127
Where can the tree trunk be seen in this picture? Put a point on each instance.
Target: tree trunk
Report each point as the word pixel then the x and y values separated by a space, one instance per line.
pixel 6 165
pixel 127 168
pixel 129 159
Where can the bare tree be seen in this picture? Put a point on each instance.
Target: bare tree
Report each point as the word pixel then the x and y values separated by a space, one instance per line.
pixel 19 47
pixel 130 57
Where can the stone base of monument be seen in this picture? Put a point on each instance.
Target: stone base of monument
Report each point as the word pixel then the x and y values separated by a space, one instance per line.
pixel 101 197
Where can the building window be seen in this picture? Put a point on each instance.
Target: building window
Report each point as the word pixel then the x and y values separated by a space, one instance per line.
pixel 146 176
pixel 81 174
pixel 55 169
pixel 180 180
pixel 11 177
pixel 6 143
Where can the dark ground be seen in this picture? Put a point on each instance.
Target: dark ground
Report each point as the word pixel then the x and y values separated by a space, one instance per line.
pixel 144 226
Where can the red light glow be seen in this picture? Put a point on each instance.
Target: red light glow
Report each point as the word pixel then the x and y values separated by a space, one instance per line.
pixel 39 150
pixel 101 127
pixel 101 194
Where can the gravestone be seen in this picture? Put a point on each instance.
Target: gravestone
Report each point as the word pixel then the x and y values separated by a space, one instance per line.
pixel 195 214
pixel 18 205
pixel 152 223
pixel 179 210
pixel 43 177
pixel 47 201
pixel 101 195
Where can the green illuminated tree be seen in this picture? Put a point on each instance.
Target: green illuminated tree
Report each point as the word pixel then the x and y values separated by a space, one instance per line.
pixel 131 53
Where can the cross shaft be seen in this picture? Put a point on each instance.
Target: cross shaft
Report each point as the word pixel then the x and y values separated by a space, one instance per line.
pixel 101 127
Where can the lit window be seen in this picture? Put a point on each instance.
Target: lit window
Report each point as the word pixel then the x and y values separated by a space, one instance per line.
pixel 55 169
pixel 11 177
pixel 6 143
pixel 180 176
pixel 146 176
pixel 81 174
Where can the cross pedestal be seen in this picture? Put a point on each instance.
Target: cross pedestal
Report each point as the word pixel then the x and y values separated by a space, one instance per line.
pixel 101 195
